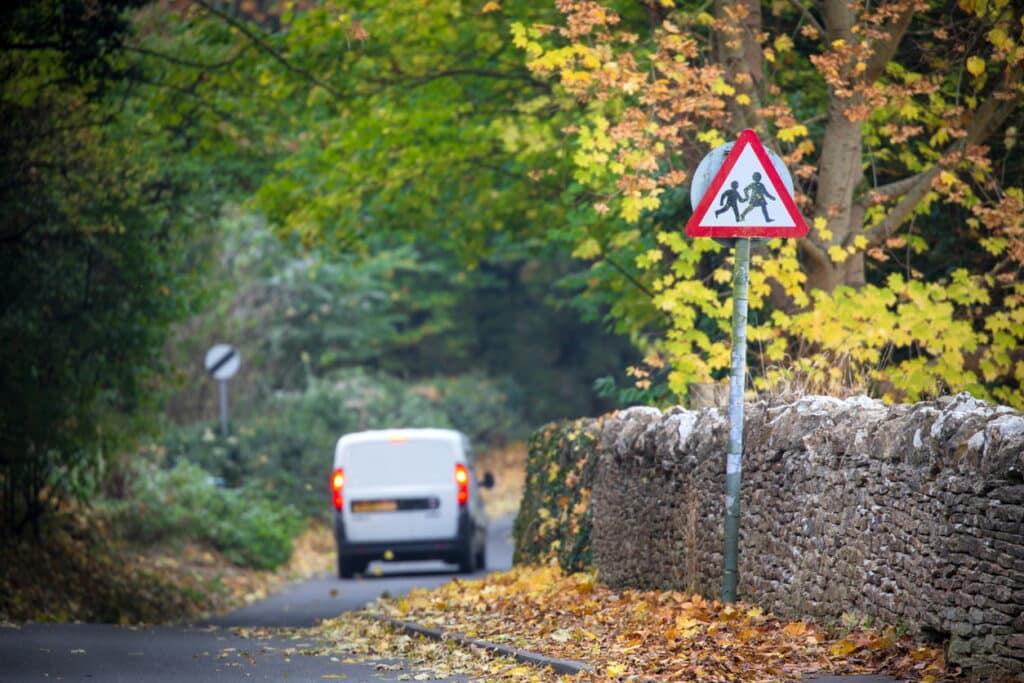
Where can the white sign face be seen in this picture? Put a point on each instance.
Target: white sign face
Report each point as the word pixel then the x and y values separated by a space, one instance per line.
pixel 222 361
pixel 706 171
pixel 743 190
pixel 708 167
pixel 746 196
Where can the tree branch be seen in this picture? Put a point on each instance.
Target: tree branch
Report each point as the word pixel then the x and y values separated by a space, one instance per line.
pixel 485 73
pixel 30 46
pixel 15 235
pixel 630 277
pixel 884 52
pixel 809 17
pixel 190 93
pixel 263 46
pixel 889 190
pixel 814 253
pixel 992 113
pixel 186 62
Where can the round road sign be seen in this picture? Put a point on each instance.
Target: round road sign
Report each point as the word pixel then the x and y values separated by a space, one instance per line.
pixel 222 361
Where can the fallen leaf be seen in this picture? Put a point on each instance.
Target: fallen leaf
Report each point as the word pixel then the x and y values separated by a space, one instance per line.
pixel 843 648
pixel 795 629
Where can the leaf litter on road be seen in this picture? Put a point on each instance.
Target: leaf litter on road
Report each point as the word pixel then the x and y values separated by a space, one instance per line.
pixel 624 635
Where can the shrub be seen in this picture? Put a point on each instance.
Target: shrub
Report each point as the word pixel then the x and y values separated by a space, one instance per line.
pixel 184 502
pixel 488 410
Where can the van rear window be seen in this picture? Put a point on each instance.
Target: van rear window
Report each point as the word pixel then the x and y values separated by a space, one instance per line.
pixel 384 463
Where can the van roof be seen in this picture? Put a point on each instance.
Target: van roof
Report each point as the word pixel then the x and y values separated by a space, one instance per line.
pixel 374 435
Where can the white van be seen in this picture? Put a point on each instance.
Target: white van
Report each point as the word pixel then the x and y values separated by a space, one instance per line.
pixel 407 494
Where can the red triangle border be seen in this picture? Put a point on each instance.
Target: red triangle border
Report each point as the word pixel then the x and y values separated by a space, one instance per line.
pixel 693 227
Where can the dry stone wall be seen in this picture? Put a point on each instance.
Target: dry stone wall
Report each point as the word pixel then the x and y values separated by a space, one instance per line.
pixel 910 514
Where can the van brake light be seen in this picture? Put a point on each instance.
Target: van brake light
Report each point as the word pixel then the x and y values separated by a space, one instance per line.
pixel 462 480
pixel 337 484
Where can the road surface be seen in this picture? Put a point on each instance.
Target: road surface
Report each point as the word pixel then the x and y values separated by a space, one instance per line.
pixel 212 651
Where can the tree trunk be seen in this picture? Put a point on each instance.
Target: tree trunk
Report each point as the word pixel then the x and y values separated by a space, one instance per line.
pixel 839 172
pixel 739 51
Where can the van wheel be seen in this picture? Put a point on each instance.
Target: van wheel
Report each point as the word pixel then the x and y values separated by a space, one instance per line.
pixel 346 567
pixel 481 558
pixel 466 559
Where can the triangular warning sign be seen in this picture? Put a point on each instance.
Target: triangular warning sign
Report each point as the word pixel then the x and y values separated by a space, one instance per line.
pixel 747 198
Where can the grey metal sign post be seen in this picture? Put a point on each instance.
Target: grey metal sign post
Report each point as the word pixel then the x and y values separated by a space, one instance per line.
pixel 222 362
pixel 737 380
pixel 741 173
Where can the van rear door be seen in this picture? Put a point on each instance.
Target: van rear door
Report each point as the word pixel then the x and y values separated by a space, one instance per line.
pixel 400 489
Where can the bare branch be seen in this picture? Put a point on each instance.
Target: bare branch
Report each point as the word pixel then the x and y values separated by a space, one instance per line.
pixel 192 95
pixel 417 81
pixel 814 119
pixel 30 46
pixel 15 235
pixel 629 277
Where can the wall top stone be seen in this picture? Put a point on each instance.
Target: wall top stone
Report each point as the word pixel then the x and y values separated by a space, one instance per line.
pixel 956 434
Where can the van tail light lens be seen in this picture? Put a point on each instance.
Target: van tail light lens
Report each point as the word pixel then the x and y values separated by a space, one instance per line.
pixel 337 485
pixel 462 480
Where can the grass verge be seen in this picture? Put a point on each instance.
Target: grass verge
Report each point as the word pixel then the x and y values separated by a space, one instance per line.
pixel 83 573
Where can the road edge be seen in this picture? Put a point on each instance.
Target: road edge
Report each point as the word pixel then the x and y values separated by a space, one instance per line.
pixel 560 666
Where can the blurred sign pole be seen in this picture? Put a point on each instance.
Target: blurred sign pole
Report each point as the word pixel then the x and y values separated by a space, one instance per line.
pixel 222 362
pixel 223 406
pixel 732 182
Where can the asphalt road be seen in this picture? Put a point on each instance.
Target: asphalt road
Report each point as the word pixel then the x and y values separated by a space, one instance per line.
pixel 212 651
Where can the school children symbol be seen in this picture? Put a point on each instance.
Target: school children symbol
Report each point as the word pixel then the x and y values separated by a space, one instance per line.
pixel 754 194
pixel 750 194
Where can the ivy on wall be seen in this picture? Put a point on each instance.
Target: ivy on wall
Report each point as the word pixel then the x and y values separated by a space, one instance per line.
pixel 554 521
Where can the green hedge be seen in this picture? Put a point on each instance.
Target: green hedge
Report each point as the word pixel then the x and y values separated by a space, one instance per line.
pixel 554 520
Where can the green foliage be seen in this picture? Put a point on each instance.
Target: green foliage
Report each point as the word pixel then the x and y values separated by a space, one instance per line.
pixel 432 125
pixel 248 527
pixel 370 117
pixel 396 151
pixel 490 411
pixel 644 392
pixel 405 311
pixel 554 520
pixel 91 233
pixel 298 314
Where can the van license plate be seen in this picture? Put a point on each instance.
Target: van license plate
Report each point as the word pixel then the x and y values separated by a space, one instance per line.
pixel 374 506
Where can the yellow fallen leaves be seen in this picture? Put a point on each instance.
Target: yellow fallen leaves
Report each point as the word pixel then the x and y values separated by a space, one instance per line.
pixel 656 635
pixel 427 659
